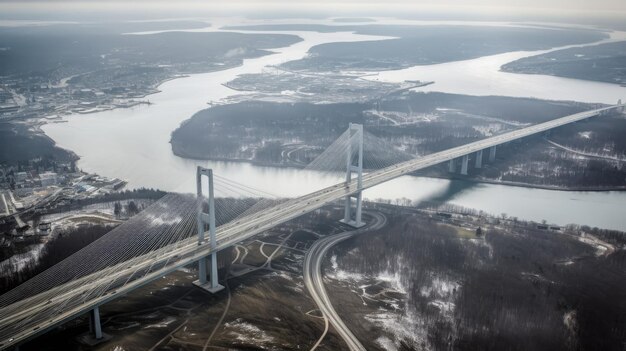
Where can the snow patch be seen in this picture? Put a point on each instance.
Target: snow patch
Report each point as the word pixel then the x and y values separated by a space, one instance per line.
pixel 439 287
pixel 163 324
pixel 602 247
pixel 404 327
pixel 482 243
pixel 386 343
pixel 283 275
pixel 445 307
pixel 339 274
pixel 569 319
pixel 393 280
pixel 17 263
pixel 247 333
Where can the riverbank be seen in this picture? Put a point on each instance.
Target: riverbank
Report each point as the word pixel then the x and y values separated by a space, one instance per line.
pixel 432 176
pixel 146 131
pixel 24 141
pixel 537 186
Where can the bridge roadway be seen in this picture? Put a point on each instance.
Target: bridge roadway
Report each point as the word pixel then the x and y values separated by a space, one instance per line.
pixel 33 316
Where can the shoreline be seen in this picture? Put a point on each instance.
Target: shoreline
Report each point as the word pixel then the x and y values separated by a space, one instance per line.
pixel 287 165
pixel 538 186
pixel 457 178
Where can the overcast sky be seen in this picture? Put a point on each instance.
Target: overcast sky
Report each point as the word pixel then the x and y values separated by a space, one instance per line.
pixel 604 5
pixel 509 7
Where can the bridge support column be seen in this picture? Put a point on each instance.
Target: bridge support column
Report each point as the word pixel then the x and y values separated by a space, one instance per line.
pixel 94 323
pixel 452 165
pixel 203 218
pixel 464 162
pixel 619 102
pixel 479 159
pixel 355 131
pixel 492 154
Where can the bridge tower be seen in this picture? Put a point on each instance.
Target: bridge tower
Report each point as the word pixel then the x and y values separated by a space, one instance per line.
pixel 355 131
pixel 211 286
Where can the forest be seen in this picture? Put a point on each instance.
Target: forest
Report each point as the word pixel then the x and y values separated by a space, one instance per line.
pixel 18 143
pixel 513 287
pixel 53 252
pixel 604 63
pixel 217 133
pixel 414 124
pixel 67 49
pixel 408 45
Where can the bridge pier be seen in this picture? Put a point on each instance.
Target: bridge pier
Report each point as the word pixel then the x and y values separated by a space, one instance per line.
pixel 479 159
pixel 355 130
pixel 203 218
pixel 95 335
pixel 452 165
pixel 464 162
pixel 492 154
pixel 95 328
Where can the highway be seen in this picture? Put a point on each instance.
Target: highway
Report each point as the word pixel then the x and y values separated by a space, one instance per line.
pixel 314 280
pixel 46 200
pixel 35 315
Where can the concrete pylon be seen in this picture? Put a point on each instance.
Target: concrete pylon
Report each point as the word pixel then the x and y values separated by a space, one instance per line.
pixel 94 323
pixel 452 165
pixel 355 131
pixel 203 218
pixel 464 162
pixel 492 154
pixel 479 159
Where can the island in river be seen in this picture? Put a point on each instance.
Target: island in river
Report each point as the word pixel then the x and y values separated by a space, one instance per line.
pixel 603 63
pixel 588 155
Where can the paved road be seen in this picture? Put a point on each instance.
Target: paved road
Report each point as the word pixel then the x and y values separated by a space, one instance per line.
pixel 314 280
pixel 35 315
pixel 47 200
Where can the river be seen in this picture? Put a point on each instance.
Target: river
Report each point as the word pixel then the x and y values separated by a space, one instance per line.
pixel 133 144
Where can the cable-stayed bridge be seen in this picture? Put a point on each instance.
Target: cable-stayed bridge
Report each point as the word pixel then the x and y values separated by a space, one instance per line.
pixel 163 237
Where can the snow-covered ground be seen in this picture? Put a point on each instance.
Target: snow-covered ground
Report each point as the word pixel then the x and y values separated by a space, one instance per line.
pixel 20 261
pixel 247 333
pixel 399 321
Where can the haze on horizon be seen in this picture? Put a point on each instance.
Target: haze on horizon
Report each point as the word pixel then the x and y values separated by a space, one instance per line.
pixel 507 10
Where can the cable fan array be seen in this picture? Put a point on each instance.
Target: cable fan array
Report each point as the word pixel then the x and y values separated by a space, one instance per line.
pixel 377 153
pixel 168 224
pixel 149 241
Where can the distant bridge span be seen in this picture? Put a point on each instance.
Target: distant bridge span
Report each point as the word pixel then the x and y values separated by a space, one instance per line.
pixel 35 315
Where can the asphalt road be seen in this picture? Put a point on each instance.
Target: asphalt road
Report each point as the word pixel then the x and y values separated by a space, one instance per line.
pixel 314 280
